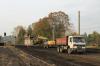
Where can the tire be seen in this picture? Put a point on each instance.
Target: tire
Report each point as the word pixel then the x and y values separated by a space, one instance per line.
pixel 44 46
pixel 69 51
pixel 58 49
pixel 47 46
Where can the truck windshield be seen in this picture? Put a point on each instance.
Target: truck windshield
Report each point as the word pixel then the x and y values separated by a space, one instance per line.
pixel 78 39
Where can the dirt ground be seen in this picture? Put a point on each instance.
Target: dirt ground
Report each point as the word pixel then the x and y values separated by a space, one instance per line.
pixel 7 58
pixel 10 56
pixel 38 56
pixel 51 56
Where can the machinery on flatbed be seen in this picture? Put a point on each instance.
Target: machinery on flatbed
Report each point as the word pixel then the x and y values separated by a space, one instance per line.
pixel 70 44
pixel 48 44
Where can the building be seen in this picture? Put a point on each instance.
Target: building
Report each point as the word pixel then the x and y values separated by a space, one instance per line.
pixel 11 40
pixel 28 41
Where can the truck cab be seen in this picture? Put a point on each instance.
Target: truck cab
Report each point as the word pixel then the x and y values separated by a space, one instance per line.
pixel 76 43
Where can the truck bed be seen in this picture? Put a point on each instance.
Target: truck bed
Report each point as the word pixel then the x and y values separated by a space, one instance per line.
pixel 62 41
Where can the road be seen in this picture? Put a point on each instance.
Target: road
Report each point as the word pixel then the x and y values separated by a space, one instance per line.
pixel 63 59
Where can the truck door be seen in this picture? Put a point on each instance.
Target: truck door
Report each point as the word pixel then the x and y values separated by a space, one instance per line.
pixel 70 42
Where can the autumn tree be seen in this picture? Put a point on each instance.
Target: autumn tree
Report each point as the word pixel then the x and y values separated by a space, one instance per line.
pixel 43 28
pixel 19 32
pixel 59 21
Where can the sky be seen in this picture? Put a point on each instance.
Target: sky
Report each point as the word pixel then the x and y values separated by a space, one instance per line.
pixel 26 12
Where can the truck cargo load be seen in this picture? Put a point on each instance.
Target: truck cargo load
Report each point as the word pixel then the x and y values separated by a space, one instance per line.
pixel 62 41
pixel 51 43
pixel 48 44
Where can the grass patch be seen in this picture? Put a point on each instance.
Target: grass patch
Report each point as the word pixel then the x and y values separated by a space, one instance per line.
pixel 92 47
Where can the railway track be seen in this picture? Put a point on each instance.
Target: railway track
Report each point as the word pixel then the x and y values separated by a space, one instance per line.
pixel 62 59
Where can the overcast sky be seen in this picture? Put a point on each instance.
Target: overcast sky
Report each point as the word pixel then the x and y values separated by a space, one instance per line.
pixel 25 12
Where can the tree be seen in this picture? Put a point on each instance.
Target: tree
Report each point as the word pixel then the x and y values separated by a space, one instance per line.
pixel 57 21
pixel 85 36
pixel 61 21
pixel 94 38
pixel 29 30
pixel 20 32
pixel 42 28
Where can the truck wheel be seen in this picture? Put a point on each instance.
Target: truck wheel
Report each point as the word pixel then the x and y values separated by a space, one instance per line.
pixel 69 51
pixel 58 49
pixel 46 46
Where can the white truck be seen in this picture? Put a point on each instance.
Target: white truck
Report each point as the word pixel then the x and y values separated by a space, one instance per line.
pixel 71 44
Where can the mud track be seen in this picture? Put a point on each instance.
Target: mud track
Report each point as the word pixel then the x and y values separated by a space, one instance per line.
pixel 8 58
pixel 11 56
pixel 63 59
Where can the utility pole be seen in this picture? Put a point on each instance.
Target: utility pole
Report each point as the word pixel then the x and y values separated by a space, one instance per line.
pixel 53 15
pixel 78 22
pixel 53 30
